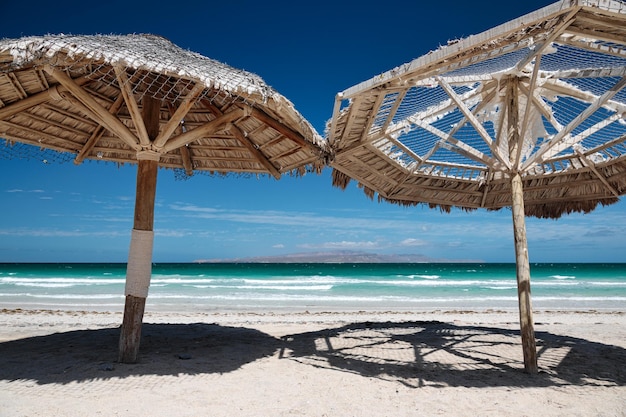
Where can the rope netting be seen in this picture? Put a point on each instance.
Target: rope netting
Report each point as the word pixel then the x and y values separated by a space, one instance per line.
pixel 563 92
pixel 139 65
pixel 11 150
pixel 153 65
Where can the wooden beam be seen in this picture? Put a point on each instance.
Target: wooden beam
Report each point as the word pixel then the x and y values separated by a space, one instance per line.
pixel 527 109
pixel 178 116
pixel 252 148
pixel 132 106
pixel 476 124
pixel 392 111
pixel 103 116
pixel 594 34
pixel 458 146
pixel 283 129
pixel 556 32
pixel 404 148
pixel 594 47
pixel 260 156
pixel 492 88
pixel 199 132
pixel 352 114
pixel 53 93
pixel 542 107
pixel 597 173
pixel 185 154
pixel 564 89
pixel 596 127
pixel 513 134
pixel 486 190
pixel 502 151
pixel 151 116
pixel 187 162
pixel 97 133
pixel 465 110
pixel 561 140
pixel 435 112
pixel 17 86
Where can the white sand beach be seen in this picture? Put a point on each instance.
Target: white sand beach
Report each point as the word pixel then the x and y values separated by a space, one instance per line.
pixel 63 363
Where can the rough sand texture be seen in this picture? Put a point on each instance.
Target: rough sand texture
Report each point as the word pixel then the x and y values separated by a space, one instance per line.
pixel 55 363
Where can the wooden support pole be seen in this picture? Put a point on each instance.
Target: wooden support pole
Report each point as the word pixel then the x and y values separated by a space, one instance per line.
pixel 523 277
pixel 139 268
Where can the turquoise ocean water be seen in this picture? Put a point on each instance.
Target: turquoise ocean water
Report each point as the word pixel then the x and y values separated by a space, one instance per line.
pixel 315 287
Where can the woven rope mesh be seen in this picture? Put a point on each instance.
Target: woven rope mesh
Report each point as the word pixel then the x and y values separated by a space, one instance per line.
pixel 28 152
pixel 453 118
pixel 43 81
pixel 150 56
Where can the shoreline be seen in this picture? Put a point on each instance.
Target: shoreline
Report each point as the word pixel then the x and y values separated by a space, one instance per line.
pixel 312 364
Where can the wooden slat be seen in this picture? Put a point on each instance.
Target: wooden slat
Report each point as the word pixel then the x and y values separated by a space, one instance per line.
pixel 102 114
pixel 527 109
pixel 132 106
pixel 457 145
pixel 556 32
pixel 178 115
pixel 594 47
pixel 560 141
pixel 250 146
pixel 97 133
pixel 35 100
pixel 199 132
pixel 42 137
pixel 597 35
pixel 465 110
pixel 283 129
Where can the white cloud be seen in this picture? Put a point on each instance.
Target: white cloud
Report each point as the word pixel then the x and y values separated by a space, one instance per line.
pixel 19 190
pixel 306 220
pixel 413 242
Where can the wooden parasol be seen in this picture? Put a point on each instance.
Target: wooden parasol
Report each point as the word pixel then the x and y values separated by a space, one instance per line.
pixel 529 115
pixel 141 99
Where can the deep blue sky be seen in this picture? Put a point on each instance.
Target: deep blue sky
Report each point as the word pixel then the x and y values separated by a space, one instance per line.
pixel 307 51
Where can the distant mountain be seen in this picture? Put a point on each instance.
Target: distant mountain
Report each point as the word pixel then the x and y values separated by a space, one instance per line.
pixel 339 257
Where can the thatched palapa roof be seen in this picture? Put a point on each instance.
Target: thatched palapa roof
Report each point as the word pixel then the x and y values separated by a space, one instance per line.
pixel 85 95
pixel 542 95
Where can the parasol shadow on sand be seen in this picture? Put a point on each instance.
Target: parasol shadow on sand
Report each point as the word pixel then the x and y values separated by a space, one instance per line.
pixel 436 354
pixel 142 100
pixel 414 354
pixel 167 349
pixel 529 115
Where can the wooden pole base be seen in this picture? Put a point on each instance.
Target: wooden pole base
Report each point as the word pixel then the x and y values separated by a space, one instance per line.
pixel 130 335
pixel 523 278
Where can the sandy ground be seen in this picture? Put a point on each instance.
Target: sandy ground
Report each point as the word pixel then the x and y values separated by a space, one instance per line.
pixel 63 363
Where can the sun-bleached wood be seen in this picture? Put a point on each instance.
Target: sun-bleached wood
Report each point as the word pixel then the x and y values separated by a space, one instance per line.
pixel 102 114
pixel 147 170
pixel 529 348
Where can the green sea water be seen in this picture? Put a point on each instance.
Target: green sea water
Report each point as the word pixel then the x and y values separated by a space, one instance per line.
pixel 315 286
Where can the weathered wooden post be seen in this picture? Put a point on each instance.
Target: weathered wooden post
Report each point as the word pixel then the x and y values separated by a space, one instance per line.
pixel 139 269
pixel 519 230
pixel 523 277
